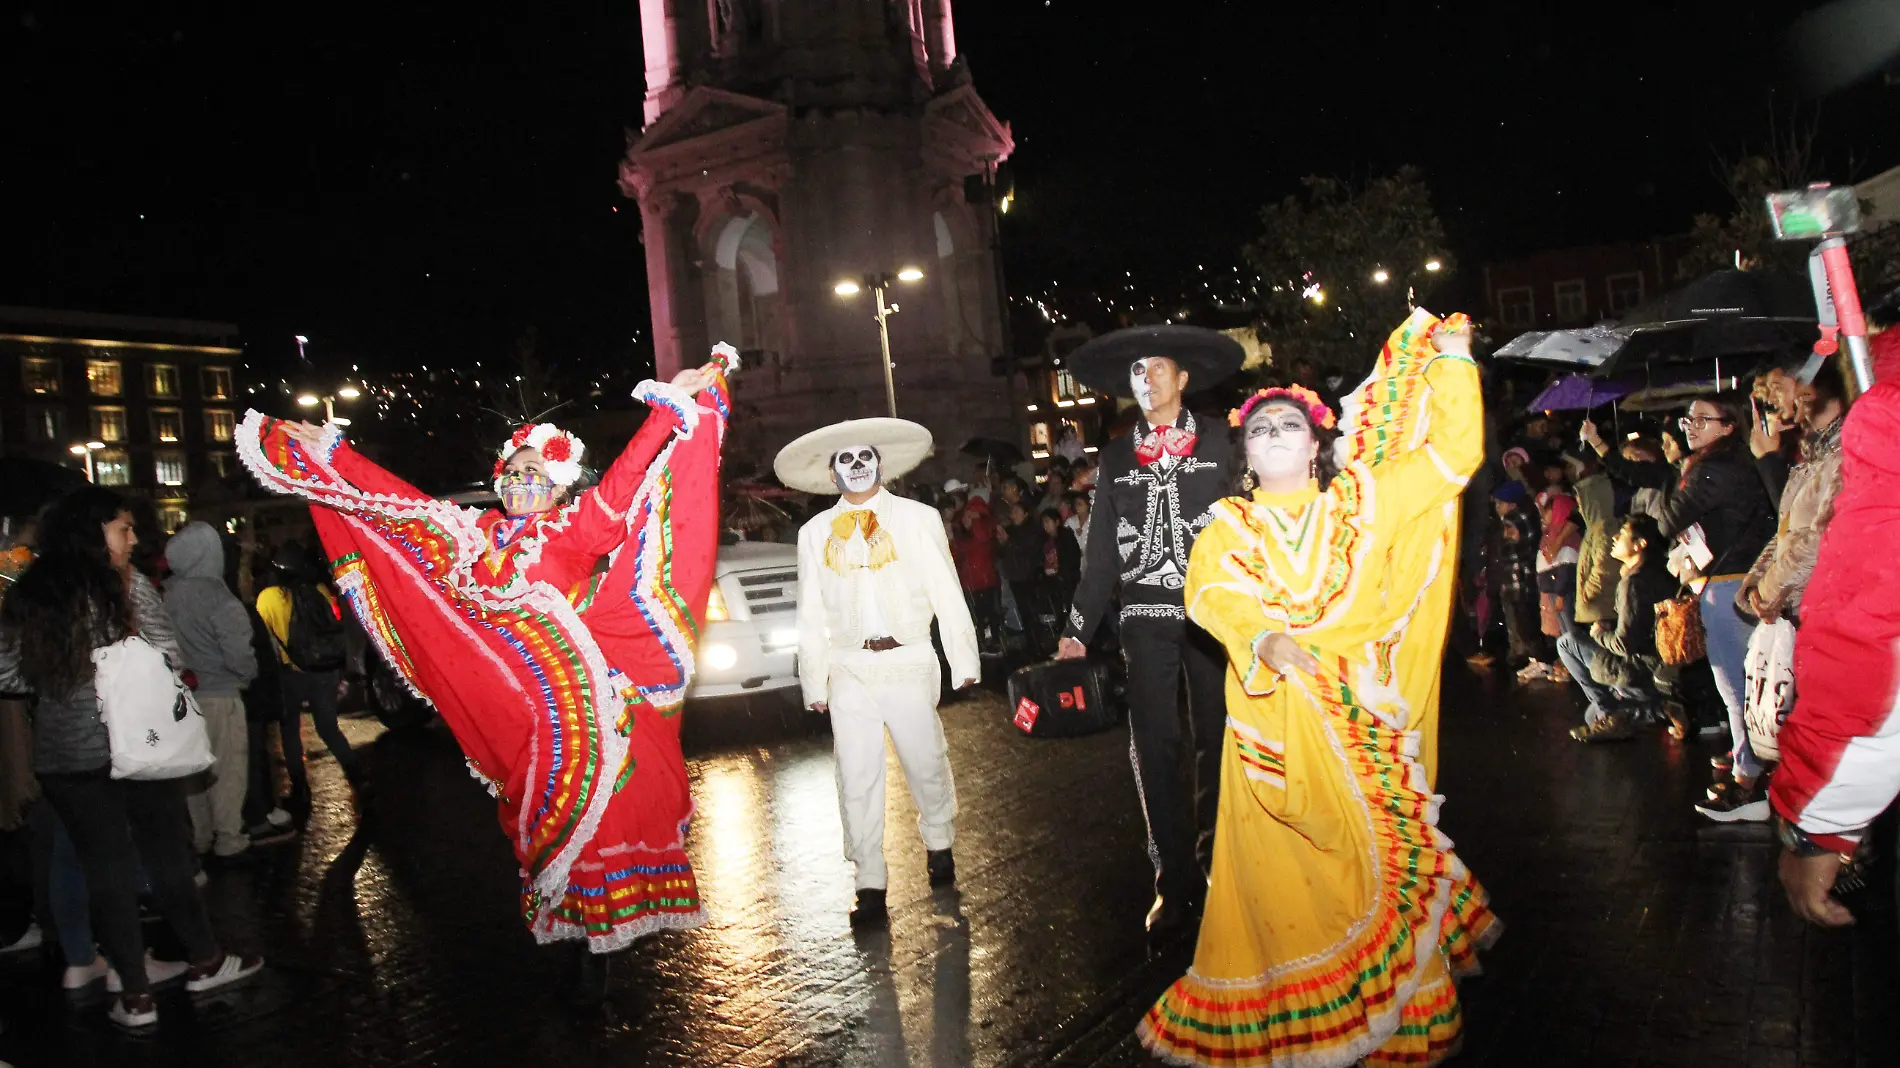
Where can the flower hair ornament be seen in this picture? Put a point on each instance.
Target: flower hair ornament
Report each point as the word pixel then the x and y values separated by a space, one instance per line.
pixel 1316 410
pixel 560 451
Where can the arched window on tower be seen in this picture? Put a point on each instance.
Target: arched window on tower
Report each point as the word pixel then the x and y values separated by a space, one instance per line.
pixel 744 301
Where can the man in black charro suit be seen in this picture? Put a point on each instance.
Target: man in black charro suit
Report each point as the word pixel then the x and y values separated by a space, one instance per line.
pixel 1152 497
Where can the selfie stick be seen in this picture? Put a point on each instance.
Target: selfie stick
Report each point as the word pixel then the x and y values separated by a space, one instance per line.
pixel 1829 213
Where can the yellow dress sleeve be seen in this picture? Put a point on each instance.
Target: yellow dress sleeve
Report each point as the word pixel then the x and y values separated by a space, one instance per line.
pixel 1418 423
pixel 1226 603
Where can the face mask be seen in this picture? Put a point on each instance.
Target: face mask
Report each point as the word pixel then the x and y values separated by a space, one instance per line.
pixel 855 468
pixel 1138 381
pixel 522 494
pixel 1279 443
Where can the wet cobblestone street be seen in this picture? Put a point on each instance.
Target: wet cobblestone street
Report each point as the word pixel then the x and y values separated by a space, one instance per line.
pixel 1636 933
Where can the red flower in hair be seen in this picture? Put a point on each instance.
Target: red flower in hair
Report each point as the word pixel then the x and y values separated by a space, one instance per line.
pixel 558 449
pixel 520 437
pixel 500 466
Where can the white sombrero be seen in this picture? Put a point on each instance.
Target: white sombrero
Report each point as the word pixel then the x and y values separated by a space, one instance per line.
pixel 805 464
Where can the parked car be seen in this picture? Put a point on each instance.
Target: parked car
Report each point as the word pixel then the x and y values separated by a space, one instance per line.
pixel 749 644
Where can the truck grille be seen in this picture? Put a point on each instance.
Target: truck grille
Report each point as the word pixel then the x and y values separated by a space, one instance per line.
pixel 770 594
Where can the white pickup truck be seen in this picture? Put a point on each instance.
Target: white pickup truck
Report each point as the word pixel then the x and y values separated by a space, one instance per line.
pixel 749 643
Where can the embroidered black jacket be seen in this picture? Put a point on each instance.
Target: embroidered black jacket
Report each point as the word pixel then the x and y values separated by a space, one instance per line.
pixel 1143 524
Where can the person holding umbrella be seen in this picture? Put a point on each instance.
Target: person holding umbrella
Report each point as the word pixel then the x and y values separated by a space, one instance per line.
pixel 1156 492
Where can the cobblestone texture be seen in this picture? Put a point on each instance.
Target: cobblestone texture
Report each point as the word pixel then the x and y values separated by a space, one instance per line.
pixel 1637 934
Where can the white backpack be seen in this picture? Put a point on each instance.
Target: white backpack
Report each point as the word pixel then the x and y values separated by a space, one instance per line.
pixel 1769 694
pixel 151 718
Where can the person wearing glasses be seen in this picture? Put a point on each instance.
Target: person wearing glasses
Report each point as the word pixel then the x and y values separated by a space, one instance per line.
pixel 1720 491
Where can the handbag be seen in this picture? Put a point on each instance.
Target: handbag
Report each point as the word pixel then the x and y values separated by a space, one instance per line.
pixel 1679 639
pixel 152 721
pixel 1769 693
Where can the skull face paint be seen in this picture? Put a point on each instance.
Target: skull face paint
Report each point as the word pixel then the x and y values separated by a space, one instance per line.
pixel 523 493
pixel 1279 443
pixel 855 468
pixel 1138 381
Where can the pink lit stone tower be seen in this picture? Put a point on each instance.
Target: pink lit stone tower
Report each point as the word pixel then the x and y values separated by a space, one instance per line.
pixel 790 145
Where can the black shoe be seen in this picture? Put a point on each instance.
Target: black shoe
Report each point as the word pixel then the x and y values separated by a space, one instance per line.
pixel 269 834
pixel 942 867
pixel 870 910
pixel 590 979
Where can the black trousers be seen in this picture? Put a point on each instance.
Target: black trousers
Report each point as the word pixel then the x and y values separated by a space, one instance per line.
pixel 318 690
pixel 114 824
pixel 1176 757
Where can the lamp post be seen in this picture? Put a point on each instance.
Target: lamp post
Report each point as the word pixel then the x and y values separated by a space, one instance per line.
pixel 328 400
pixel 877 283
pixel 86 451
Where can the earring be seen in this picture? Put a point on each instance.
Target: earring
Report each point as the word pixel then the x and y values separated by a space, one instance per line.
pixel 1312 468
pixel 1247 481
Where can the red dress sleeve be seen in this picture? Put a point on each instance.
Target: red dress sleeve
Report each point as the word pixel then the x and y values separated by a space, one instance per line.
pixel 367 475
pixel 598 523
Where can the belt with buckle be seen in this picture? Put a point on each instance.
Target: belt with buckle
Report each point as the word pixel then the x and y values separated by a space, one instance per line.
pixel 881 645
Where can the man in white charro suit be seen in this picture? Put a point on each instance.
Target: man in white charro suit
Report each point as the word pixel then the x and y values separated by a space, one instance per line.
pixel 873 571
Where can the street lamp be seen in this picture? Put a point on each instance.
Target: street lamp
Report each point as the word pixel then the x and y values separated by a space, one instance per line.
pixel 328 400
pixel 1433 265
pixel 877 283
pixel 87 450
pixel 1380 276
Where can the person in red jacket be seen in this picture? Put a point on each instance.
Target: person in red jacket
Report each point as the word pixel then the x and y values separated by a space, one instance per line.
pixel 1840 749
pixel 561 678
pixel 974 547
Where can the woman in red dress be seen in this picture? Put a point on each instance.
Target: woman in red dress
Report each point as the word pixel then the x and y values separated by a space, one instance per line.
pixel 554 636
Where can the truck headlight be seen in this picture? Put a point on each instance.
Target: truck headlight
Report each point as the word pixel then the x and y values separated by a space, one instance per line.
pixel 720 656
pixel 716 606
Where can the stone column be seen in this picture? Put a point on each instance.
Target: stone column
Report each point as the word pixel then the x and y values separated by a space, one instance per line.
pixel 659 38
pixel 940 35
pixel 663 276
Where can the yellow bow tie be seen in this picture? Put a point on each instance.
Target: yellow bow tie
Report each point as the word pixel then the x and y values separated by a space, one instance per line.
pixel 862 519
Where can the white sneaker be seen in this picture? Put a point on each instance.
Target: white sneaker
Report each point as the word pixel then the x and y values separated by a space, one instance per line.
pixel 229 970
pixel 75 979
pixel 277 817
pixel 31 938
pixel 157 972
pixel 145 1015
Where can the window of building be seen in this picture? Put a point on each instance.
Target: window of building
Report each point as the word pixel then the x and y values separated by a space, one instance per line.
pixel 1625 291
pixel 169 468
pixel 161 379
pixel 1517 306
pixel 168 424
pixel 111 467
pixel 106 378
pixel 172 515
pixel 48 425
pixel 1039 435
pixel 108 424
pixel 42 375
pixel 220 426
pixel 223 464
pixel 1572 300
pixel 1065 386
pixel 217 383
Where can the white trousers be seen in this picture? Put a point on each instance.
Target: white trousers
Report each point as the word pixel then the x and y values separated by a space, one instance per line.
pixel 861 714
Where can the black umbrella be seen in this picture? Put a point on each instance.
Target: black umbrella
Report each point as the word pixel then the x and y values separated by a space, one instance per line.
pixel 33 484
pixel 995 450
pixel 1724 315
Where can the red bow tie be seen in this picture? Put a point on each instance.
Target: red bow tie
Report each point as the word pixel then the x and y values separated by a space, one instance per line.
pixel 1168 441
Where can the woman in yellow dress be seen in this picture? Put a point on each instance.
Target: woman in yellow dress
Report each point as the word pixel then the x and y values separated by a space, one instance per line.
pixel 1337 914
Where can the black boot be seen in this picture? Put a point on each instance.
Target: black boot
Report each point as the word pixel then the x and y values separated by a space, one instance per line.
pixel 870 910
pixel 590 979
pixel 942 867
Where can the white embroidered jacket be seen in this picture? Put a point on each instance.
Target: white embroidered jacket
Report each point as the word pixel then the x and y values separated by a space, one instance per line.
pixel 917 585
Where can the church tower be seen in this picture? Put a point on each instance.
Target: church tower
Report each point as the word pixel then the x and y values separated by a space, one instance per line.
pixel 789 146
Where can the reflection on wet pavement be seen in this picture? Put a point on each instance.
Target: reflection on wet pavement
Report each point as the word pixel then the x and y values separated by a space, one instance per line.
pixel 1636 934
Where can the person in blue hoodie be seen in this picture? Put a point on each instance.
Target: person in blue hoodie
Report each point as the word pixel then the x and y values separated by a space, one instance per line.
pixel 214 636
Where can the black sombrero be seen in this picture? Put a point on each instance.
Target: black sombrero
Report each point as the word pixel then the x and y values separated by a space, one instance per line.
pixel 1208 356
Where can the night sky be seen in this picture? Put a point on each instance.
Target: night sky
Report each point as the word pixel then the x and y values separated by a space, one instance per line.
pixel 417 182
